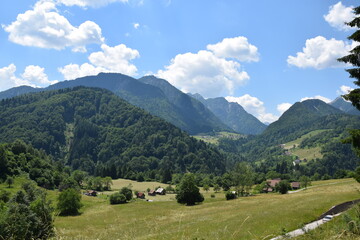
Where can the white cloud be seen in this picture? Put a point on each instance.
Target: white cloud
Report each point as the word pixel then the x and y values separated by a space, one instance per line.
pixel 136 25
pixel 338 15
pixel 204 73
pixel 110 59
pixel 344 90
pixel 324 99
pixel 88 3
pixel 238 48
pixel 255 107
pixel 283 107
pixel 44 27
pixel 320 53
pixel 33 76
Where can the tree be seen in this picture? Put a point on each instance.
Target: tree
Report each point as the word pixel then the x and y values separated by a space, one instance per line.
pixel 127 192
pixel 107 181
pixel 25 218
pixel 117 198
pixel 206 187
pixel 187 191
pixel 216 188
pixel 69 202
pixel 79 176
pixel 9 181
pixel 282 187
pixel 243 178
pixel 305 181
pixel 354 59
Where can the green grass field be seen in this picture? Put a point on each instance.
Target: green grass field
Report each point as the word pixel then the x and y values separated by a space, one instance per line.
pixel 258 217
pixel 306 153
pixel 214 139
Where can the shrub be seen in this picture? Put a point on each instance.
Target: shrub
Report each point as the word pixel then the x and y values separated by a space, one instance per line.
pixel 230 195
pixel 117 198
pixel 187 191
pixel 69 202
pixel 212 195
pixel 127 192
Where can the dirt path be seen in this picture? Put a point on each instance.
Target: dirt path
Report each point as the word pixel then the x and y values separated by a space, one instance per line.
pixel 334 211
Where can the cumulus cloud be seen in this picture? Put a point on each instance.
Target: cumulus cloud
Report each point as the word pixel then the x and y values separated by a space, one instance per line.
pixel 338 15
pixel 283 107
pixel 324 99
pixel 344 90
pixel 88 3
pixel 320 53
pixel 33 76
pixel 238 48
pixel 255 107
pixel 204 73
pixel 110 59
pixel 44 27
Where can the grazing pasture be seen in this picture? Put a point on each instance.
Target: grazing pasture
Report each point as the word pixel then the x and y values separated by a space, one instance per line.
pixel 258 217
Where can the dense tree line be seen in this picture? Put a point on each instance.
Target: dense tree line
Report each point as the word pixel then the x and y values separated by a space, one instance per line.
pixel 95 131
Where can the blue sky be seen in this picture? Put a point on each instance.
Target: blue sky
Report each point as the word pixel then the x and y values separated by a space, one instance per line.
pixel 265 55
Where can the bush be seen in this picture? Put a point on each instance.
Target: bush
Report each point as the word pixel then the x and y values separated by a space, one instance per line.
pixel 212 195
pixel 283 187
pixel 69 202
pixel 117 198
pixel 230 195
pixel 127 192
pixel 187 191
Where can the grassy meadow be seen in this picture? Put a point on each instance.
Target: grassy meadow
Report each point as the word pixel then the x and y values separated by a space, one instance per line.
pixel 257 217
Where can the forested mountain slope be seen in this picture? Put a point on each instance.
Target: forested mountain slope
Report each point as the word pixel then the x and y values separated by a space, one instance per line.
pixel 177 108
pixel 98 132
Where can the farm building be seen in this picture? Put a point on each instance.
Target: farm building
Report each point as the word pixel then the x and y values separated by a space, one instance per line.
pixel 152 193
pixel 295 185
pixel 160 191
pixel 91 193
pixel 140 195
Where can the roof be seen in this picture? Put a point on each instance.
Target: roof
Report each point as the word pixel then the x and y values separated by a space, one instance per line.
pixel 159 190
pixel 295 185
pixel 273 182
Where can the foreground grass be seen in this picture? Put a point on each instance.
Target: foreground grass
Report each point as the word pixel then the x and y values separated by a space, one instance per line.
pixel 335 229
pixel 259 217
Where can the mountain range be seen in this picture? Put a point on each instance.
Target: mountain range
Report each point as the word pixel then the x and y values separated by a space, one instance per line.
pixel 94 130
pixel 190 112
pixel 154 95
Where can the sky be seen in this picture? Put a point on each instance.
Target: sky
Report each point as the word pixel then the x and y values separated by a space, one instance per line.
pixel 264 55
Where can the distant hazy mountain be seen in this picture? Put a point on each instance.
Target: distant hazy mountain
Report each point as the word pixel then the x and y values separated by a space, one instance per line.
pixel 233 115
pixel 345 106
pixel 154 95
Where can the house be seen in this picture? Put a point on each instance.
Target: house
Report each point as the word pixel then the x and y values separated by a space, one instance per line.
pixel 160 191
pixel 270 185
pixel 272 182
pixel 91 193
pixel 140 195
pixel 295 185
pixel 152 193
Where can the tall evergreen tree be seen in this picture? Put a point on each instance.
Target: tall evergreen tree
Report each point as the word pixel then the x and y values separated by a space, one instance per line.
pixel 354 59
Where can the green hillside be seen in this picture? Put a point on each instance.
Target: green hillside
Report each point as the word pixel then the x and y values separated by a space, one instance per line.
pixel 96 131
pixel 154 95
